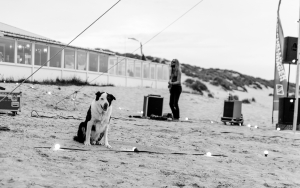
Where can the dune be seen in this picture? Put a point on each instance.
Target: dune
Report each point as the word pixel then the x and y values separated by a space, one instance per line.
pixel 238 160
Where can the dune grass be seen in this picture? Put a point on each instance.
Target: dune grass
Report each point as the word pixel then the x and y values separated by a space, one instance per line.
pixel 61 82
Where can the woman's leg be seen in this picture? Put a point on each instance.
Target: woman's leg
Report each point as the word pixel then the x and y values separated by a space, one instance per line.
pixel 177 93
pixel 172 102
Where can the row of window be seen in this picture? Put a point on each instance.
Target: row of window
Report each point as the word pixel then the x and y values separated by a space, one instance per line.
pixel 77 59
pixel 97 62
pixel 135 68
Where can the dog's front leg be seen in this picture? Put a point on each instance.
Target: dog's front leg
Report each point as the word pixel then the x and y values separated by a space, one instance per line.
pixel 88 133
pixel 106 137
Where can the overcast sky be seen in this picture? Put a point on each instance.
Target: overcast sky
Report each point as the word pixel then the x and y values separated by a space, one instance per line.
pixel 228 34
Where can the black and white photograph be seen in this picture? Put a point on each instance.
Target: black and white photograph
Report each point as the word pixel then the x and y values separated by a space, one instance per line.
pixel 149 93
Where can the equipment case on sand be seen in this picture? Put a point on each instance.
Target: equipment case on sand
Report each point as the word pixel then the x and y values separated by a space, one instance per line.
pixel 153 105
pixel 232 113
pixel 11 103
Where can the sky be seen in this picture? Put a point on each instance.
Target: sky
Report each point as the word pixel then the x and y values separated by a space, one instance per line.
pixel 236 35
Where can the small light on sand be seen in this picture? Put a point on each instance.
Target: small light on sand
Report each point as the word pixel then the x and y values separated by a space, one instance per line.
pixel 186 119
pixel 211 122
pixel 278 129
pixel 73 99
pixel 31 86
pixel 120 108
pixel 17 83
pixel 49 92
pixel 142 112
pixel 208 154
pixel 256 127
pixel 56 147
pixel 249 125
pixel 266 153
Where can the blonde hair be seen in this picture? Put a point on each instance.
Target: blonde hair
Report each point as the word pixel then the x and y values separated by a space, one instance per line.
pixel 177 68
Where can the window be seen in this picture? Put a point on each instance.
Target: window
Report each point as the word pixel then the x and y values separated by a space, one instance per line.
pixel 165 72
pixel 7 50
pixel 121 66
pixel 40 54
pixel 137 69
pixel 152 72
pixel 111 67
pixel 93 62
pixel 103 65
pixel 69 59
pixel 55 56
pixel 159 72
pixel 146 70
pixel 81 60
pixel 130 68
pixel 24 53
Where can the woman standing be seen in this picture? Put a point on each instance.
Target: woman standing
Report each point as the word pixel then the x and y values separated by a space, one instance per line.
pixel 175 88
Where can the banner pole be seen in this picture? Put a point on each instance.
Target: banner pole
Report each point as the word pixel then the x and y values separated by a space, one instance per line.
pixel 297 79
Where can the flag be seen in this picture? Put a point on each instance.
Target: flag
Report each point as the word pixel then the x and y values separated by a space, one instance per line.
pixel 280 82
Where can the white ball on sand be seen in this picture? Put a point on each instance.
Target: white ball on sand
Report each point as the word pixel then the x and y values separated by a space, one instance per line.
pixel 249 125
pixel 49 92
pixel 56 147
pixel 256 127
pixel 186 119
pixel 278 129
pixel 266 153
pixel 208 154
pixel 211 122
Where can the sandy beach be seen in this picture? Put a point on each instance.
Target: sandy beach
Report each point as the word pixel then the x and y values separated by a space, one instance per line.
pixel 238 160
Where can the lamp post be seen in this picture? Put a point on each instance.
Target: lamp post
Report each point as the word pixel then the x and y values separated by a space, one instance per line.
pixel 143 57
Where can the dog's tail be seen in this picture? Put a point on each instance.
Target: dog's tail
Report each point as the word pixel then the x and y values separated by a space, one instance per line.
pixel 80 137
pixel 76 138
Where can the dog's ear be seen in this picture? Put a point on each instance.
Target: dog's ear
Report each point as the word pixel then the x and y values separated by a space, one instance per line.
pixel 98 94
pixel 110 98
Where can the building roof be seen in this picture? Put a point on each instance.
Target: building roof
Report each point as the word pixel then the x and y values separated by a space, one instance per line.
pixel 8 28
pixel 11 31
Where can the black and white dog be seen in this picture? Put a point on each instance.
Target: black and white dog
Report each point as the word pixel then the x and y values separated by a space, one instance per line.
pixel 97 120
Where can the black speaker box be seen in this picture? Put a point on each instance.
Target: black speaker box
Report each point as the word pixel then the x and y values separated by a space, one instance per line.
pixel 153 105
pixel 290 50
pixel 286 110
pixel 232 109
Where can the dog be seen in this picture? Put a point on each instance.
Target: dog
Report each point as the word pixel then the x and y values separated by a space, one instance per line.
pixel 97 120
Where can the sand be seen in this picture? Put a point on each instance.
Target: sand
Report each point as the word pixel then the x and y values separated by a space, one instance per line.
pixel 26 160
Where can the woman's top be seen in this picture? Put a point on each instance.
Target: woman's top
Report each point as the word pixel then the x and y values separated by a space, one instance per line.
pixel 174 78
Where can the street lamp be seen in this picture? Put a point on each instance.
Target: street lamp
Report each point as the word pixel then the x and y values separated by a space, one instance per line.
pixel 143 57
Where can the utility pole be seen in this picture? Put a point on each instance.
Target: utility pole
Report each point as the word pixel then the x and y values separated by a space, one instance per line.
pixel 297 79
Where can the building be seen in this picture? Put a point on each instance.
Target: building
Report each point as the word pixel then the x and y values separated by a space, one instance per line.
pixel 23 52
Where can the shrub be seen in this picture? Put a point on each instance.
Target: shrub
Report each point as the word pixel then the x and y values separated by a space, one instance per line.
pixel 189 81
pixel 199 86
pixel 110 85
pixel 246 101
pixel 8 80
pixel 271 94
pixel 210 95
pixel 235 97
pixel 253 99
